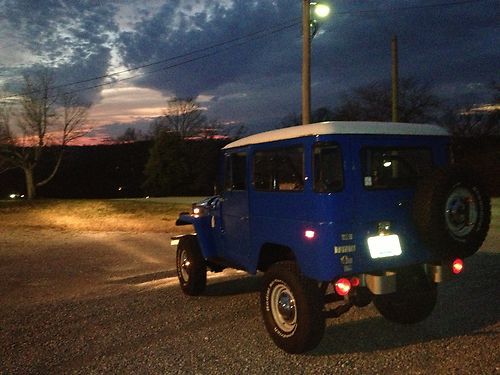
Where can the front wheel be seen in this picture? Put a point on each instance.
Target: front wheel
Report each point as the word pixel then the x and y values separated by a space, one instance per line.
pixel 413 301
pixel 191 266
pixel 292 307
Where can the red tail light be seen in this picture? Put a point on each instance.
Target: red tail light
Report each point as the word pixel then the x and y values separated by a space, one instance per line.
pixel 342 287
pixel 457 266
pixel 355 282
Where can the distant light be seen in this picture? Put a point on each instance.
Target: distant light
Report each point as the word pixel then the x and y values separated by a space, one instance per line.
pixel 387 164
pixel 310 234
pixel 12 196
pixel 147 197
pixel 120 188
pixel 321 10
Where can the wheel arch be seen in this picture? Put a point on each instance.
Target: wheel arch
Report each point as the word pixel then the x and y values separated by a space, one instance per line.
pixel 271 253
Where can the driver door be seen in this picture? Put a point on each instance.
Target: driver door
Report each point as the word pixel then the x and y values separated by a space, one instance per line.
pixel 235 220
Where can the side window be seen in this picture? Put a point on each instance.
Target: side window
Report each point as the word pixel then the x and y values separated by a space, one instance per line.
pixel 328 172
pixel 235 172
pixel 279 169
pixel 390 168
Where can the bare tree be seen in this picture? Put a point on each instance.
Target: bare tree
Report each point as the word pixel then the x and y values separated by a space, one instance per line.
pixel 131 135
pixel 5 133
pixel 372 102
pixel 44 119
pixel 182 116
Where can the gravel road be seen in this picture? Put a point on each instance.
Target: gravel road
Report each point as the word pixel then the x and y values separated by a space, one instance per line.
pixel 102 302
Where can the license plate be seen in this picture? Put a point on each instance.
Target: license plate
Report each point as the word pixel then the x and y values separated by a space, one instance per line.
pixel 384 246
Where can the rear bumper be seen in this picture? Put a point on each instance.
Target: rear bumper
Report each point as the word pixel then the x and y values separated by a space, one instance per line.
pixel 385 282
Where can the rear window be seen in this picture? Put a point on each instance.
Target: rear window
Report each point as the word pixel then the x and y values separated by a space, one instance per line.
pixel 392 168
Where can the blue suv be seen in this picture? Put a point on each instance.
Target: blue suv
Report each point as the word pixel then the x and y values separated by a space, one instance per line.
pixel 337 214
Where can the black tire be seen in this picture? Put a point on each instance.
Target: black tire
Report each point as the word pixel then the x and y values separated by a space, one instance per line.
pixel 413 301
pixel 452 212
pixel 191 266
pixel 292 308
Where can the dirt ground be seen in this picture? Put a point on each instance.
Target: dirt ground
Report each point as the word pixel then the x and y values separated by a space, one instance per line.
pixel 46 265
pixel 94 302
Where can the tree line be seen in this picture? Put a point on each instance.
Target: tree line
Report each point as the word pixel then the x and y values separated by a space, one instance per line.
pixel 183 156
pixel 417 104
pixel 179 154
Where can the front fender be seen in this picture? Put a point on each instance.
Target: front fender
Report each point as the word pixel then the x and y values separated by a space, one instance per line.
pixel 203 229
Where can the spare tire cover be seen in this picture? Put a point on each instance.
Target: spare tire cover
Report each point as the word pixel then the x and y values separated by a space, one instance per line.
pixel 452 211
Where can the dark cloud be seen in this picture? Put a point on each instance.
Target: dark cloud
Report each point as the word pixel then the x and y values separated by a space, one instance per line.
pixel 71 38
pixel 446 45
pixel 454 47
pixel 451 46
pixel 172 32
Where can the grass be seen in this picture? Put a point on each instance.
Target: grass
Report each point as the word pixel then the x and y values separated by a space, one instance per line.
pixel 128 215
pixel 123 215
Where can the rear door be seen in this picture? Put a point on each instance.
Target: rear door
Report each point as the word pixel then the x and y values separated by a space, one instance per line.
pixel 386 173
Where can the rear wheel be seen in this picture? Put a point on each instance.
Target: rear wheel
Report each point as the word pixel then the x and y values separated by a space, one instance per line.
pixel 191 266
pixel 291 306
pixel 413 301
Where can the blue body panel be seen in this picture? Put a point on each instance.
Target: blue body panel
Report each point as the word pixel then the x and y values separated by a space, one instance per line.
pixel 241 223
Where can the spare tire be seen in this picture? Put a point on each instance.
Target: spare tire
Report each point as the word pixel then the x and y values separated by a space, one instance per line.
pixel 452 211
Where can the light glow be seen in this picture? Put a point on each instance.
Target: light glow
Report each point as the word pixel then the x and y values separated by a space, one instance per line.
pixel 310 234
pixel 457 266
pixel 384 246
pixel 321 10
pixel 342 287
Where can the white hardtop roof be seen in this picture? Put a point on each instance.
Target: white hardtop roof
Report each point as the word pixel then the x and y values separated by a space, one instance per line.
pixel 340 127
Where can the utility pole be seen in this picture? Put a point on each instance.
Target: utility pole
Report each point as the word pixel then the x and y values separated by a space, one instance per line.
pixel 306 62
pixel 395 78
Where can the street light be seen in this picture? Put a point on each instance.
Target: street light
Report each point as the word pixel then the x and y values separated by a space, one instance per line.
pixel 321 10
pixel 309 29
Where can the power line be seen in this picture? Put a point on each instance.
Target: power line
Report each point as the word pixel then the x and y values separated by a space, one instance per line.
pixel 250 36
pixel 275 31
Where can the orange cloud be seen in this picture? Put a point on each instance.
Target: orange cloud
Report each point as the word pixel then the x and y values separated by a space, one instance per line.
pixel 126 104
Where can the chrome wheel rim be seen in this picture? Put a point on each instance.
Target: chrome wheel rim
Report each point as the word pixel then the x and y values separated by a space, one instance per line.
pixel 283 308
pixel 461 212
pixel 184 265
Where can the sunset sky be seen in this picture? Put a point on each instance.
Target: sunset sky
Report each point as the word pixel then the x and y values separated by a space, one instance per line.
pixel 241 60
